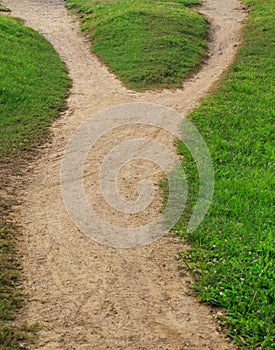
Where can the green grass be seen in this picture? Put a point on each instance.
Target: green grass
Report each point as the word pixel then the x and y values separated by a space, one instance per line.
pixel 147 44
pixel 33 88
pixel 33 85
pixel 233 252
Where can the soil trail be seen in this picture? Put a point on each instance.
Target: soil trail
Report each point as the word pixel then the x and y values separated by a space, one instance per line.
pixel 86 295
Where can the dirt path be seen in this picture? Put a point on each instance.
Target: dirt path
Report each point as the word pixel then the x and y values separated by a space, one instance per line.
pixel 86 295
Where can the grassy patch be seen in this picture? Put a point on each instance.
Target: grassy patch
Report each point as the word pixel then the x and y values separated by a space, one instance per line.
pixel 148 44
pixel 33 88
pixel 233 250
pixel 11 294
pixel 33 85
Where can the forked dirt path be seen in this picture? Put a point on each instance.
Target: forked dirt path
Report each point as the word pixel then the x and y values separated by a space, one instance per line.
pixel 83 294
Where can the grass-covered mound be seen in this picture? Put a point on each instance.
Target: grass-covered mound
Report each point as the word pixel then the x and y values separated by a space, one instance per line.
pixel 234 249
pixel 33 86
pixel 147 44
pixel 33 89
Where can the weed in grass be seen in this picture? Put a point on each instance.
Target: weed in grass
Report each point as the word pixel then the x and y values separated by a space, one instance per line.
pixel 148 44
pixel 4 8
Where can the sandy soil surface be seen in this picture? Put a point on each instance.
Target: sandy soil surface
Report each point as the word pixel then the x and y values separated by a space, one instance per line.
pixel 90 296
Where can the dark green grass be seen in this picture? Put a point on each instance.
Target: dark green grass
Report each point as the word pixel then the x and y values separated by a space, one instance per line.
pixel 148 44
pixel 33 88
pixel 233 249
pixel 11 294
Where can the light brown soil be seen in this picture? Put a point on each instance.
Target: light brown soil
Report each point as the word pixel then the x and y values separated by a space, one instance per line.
pixel 90 296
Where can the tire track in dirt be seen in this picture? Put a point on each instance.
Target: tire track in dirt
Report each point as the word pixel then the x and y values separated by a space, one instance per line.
pixel 89 296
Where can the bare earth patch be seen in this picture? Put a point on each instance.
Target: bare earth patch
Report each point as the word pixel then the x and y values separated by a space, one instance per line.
pixel 86 295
